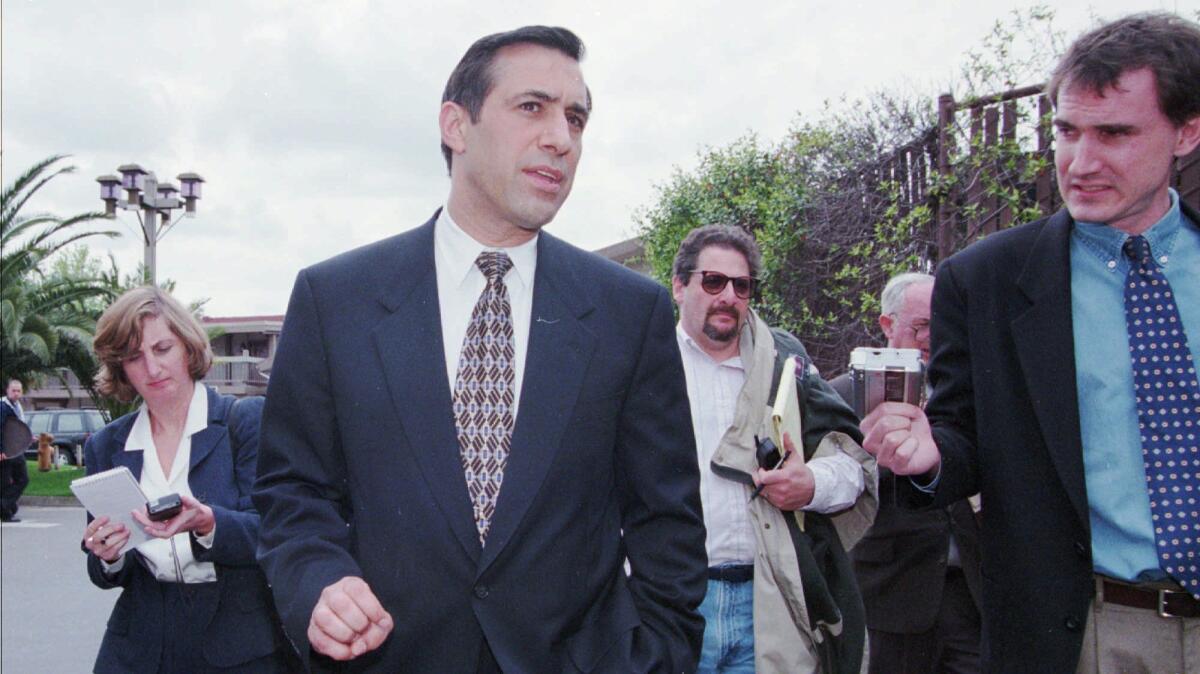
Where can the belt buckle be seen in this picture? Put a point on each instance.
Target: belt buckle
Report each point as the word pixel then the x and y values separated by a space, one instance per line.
pixel 1162 603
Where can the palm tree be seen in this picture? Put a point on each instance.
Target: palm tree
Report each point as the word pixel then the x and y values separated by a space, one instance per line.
pixel 36 311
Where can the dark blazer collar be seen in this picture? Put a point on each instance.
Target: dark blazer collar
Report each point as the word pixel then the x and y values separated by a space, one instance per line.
pixel 1045 344
pixel 409 345
pixel 412 252
pixel 203 442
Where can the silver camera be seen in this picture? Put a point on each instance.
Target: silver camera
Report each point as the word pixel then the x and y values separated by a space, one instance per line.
pixel 878 375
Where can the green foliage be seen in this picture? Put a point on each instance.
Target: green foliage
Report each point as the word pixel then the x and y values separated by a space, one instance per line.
pixel 52 482
pixel 38 310
pixel 850 199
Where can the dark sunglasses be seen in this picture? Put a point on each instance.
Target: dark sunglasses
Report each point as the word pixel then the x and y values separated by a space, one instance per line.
pixel 713 282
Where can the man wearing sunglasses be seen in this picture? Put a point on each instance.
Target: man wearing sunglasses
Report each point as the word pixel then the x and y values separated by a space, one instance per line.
pixel 781 594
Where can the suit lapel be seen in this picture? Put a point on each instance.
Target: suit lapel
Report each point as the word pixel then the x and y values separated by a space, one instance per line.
pixel 409 345
pixel 120 457
pixel 204 442
pixel 560 347
pixel 1045 344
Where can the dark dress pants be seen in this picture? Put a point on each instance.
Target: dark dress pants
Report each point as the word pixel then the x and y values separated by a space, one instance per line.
pixel 14 477
pixel 951 646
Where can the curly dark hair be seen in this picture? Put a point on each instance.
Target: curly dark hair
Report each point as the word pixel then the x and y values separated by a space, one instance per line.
pixel 1167 44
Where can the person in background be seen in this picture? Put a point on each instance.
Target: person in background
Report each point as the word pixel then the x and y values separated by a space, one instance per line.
pixel 780 598
pixel 1064 379
pixel 472 426
pixel 193 598
pixel 14 474
pixel 918 571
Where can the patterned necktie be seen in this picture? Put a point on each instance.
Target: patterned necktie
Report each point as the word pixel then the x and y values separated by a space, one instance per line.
pixel 1168 407
pixel 483 391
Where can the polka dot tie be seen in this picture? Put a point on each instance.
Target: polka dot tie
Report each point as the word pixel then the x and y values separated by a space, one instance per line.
pixel 1168 407
pixel 483 391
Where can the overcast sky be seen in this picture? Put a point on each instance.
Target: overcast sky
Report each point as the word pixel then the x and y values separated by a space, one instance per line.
pixel 315 123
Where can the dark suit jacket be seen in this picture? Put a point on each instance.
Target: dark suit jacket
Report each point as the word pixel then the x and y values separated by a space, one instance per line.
pixel 360 472
pixel 901 562
pixel 238 623
pixel 1005 416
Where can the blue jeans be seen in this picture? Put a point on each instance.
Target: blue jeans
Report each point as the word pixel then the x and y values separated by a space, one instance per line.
pixel 728 610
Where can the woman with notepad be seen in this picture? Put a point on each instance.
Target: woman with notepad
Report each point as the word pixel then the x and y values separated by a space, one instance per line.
pixel 193 597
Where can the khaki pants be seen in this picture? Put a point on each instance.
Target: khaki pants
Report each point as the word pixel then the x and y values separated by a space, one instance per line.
pixel 1125 640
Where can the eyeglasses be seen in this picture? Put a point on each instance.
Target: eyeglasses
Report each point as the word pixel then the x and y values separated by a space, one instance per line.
pixel 713 282
pixel 919 329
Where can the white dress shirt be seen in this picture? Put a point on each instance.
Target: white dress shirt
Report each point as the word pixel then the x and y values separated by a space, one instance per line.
pixel 460 283
pixel 15 407
pixel 713 390
pixel 170 560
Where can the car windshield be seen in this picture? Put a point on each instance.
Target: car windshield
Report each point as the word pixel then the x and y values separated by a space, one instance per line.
pixel 70 423
pixel 39 423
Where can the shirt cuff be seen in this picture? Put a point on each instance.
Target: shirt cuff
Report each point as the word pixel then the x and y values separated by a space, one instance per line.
pixel 112 569
pixel 927 488
pixel 837 483
pixel 206 541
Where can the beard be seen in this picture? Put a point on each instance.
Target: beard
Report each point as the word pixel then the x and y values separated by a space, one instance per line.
pixel 717 334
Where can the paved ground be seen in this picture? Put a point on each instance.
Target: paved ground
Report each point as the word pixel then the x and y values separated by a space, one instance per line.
pixel 51 616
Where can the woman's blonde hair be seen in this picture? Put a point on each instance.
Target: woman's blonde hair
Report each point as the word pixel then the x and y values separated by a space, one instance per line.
pixel 119 335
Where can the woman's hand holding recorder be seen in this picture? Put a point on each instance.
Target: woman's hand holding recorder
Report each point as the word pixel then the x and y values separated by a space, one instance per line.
pixel 193 516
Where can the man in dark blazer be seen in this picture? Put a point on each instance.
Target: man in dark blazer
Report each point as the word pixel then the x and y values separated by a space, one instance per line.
pixel 378 549
pixel 14 476
pixel 918 570
pixel 1033 400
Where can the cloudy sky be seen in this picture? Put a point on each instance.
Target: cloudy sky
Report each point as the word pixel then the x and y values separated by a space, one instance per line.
pixel 315 122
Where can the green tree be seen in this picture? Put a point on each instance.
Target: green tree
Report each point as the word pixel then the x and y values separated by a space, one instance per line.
pixel 837 205
pixel 38 310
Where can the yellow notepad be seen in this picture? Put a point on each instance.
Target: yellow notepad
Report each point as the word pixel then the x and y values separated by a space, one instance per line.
pixel 785 418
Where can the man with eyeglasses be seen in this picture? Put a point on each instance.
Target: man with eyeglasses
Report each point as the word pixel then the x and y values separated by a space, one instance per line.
pixel 781 593
pixel 918 571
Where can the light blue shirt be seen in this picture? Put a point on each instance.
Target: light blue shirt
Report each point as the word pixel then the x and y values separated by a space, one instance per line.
pixel 1118 505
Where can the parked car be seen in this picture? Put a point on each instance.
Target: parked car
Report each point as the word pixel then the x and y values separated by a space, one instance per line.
pixel 70 428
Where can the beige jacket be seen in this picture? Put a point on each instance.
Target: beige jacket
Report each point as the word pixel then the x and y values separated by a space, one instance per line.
pixel 783 640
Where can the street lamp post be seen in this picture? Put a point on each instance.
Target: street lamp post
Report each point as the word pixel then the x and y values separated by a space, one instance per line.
pixel 154 199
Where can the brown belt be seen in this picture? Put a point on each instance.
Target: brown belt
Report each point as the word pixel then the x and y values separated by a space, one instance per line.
pixel 1168 603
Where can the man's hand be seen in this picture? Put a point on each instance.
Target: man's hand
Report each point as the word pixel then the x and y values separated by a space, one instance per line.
pixel 790 486
pixel 348 620
pixel 898 435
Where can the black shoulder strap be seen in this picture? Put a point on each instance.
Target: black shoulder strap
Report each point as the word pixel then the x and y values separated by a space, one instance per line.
pixel 231 421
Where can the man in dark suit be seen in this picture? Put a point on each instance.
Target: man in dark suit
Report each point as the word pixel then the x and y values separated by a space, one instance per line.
pixel 918 571
pixel 1040 335
pixel 14 475
pixel 472 426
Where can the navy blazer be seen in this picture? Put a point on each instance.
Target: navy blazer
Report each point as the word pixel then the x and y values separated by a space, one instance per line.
pixel 1005 416
pixel 901 562
pixel 239 624
pixel 360 473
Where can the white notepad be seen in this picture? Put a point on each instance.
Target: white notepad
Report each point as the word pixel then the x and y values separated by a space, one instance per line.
pixel 113 493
